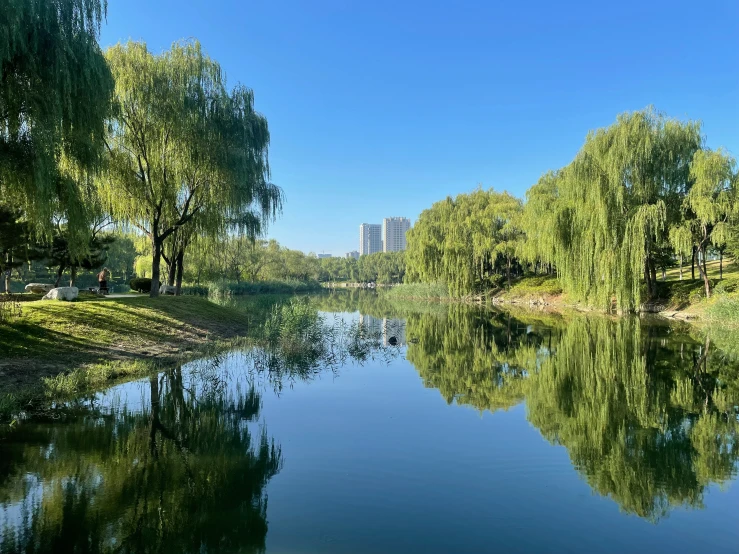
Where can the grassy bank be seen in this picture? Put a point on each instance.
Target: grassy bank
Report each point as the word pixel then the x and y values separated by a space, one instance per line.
pixel 58 348
pixel 685 299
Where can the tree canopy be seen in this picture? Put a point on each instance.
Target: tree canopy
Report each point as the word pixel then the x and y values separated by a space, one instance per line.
pixel 185 150
pixel 55 97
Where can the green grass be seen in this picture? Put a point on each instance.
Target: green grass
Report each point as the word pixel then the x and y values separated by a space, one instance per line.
pixel 723 309
pixel 731 270
pixel 58 348
pixel 538 285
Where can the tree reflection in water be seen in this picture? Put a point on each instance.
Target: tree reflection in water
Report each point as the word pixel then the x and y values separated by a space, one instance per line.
pixel 185 474
pixel 649 417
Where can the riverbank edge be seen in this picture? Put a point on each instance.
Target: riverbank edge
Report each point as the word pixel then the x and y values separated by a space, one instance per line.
pixel 159 333
pixel 694 313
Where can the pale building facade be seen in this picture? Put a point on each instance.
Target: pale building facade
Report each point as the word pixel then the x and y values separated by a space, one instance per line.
pixel 370 238
pixel 393 233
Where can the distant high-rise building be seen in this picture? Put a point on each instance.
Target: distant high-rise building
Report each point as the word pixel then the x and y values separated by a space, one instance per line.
pixel 321 256
pixel 370 238
pixel 393 233
pixel 353 254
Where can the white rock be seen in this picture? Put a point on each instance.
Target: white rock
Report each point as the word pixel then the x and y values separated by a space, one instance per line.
pixel 63 293
pixel 166 289
pixel 39 288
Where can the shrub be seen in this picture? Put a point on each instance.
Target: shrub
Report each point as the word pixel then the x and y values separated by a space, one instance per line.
pixel 726 286
pixel 140 284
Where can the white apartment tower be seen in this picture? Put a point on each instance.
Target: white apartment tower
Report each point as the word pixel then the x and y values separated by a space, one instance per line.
pixel 393 233
pixel 370 238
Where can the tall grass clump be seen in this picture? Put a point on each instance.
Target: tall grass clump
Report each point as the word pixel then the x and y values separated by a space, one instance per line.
pixel 225 289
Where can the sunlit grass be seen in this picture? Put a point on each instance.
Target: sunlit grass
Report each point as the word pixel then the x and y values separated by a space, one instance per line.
pixel 65 348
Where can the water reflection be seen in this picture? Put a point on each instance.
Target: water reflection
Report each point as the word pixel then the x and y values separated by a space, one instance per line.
pixel 648 416
pixel 185 473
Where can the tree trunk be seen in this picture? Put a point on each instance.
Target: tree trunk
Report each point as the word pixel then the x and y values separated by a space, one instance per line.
pixel 704 275
pixel 692 265
pixel 681 267
pixel 179 263
pixel 508 271
pixel 172 271
pixel 648 280
pixel 8 271
pixel 721 264
pixel 703 254
pixel 72 276
pixel 156 261
pixel 59 274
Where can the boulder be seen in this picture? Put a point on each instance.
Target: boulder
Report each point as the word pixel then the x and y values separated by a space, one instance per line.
pixel 166 289
pixel 39 288
pixel 63 293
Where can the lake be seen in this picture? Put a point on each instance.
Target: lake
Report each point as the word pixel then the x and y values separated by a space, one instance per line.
pixel 397 428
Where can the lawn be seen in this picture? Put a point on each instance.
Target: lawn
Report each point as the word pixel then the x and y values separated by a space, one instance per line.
pixel 731 270
pixel 52 340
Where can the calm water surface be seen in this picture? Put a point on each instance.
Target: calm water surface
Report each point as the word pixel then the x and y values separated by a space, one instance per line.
pixel 451 429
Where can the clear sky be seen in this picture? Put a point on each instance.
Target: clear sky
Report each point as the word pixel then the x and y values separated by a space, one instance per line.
pixel 380 108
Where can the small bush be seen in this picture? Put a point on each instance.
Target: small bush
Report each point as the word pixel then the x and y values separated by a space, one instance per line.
pixel 727 286
pixel 140 284
pixel 537 285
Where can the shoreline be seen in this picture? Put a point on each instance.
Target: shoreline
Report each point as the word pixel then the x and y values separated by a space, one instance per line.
pixel 61 349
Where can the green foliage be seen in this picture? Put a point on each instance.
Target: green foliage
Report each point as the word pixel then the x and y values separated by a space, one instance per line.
pixel 536 286
pixel 54 99
pixel 225 289
pixel 188 156
pixel 385 268
pixel 711 207
pixel 724 310
pixel 467 242
pixel 10 308
pixel 240 260
pixel 640 195
pixel 141 284
pixel 422 291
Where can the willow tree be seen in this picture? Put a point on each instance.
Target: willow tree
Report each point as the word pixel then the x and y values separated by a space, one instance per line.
pixel 185 150
pixel 539 221
pixel 467 242
pixel 55 96
pixel 710 207
pixel 616 198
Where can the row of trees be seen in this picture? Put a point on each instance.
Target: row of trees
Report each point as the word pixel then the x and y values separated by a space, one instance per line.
pixel 243 259
pixel 640 195
pixel 158 144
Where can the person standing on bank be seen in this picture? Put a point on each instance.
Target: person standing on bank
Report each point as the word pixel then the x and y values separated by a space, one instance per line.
pixel 103 281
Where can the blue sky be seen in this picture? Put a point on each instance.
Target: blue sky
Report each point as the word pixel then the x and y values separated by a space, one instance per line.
pixel 380 109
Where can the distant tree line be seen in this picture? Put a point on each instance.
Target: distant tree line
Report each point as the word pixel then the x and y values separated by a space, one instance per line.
pixel 641 195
